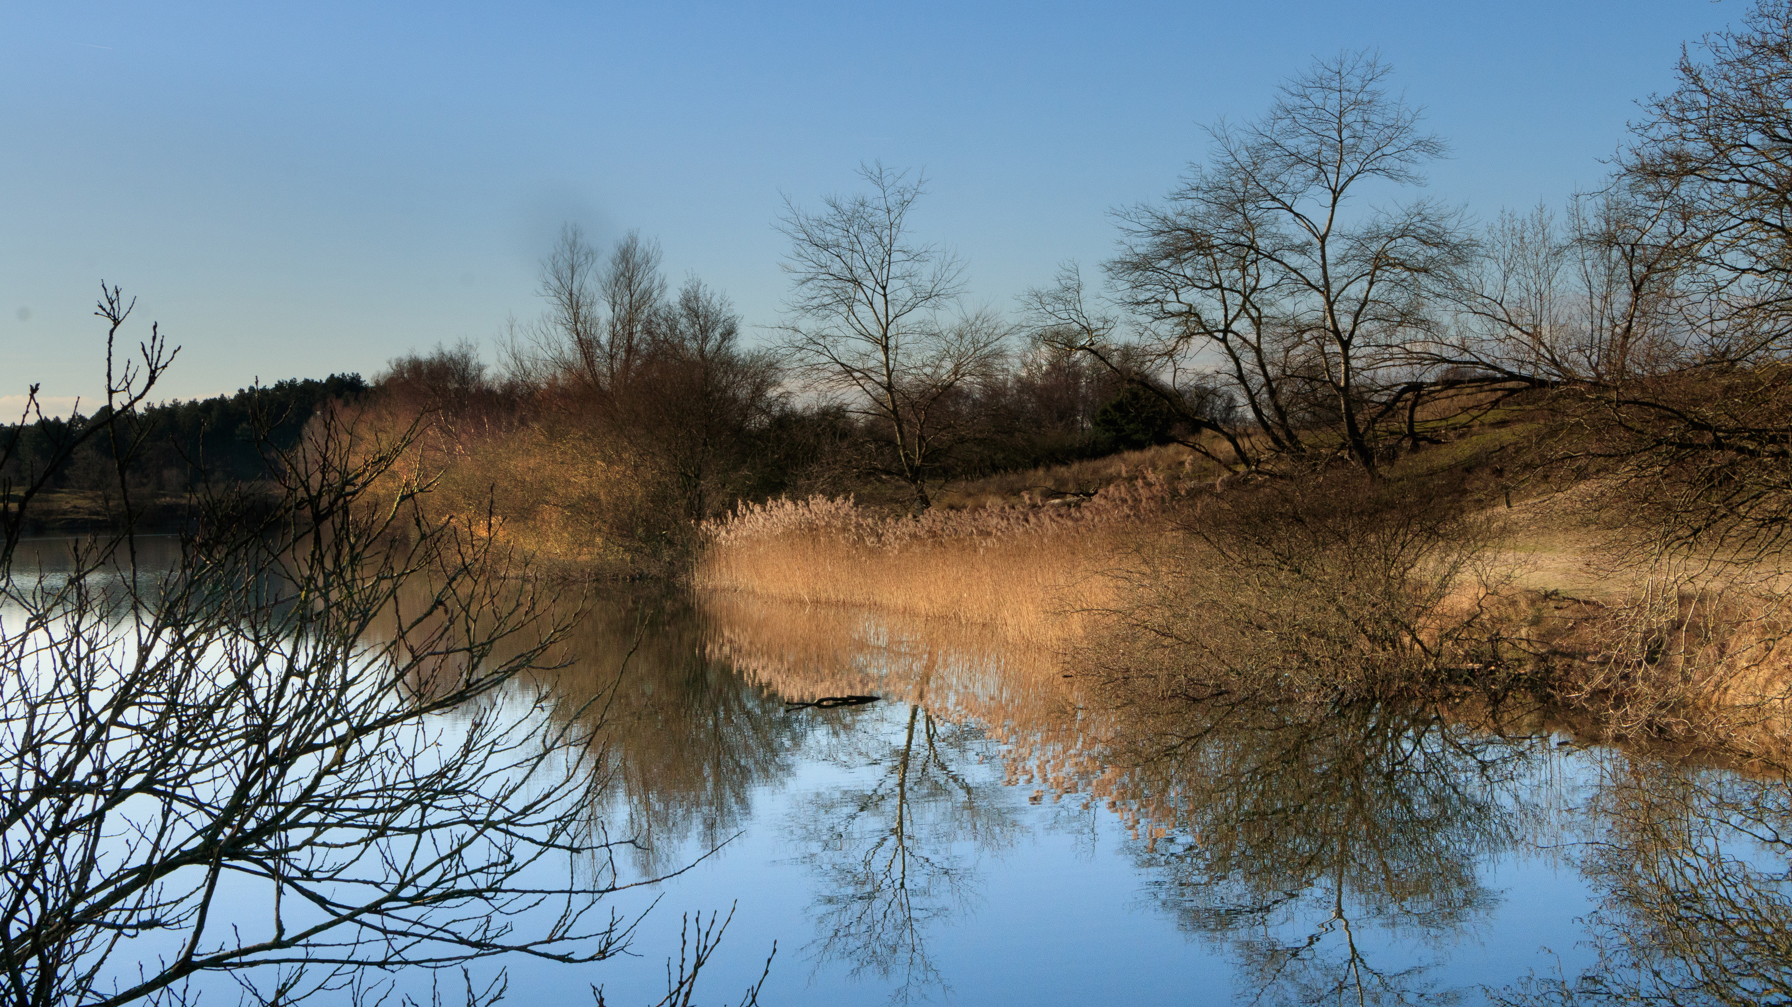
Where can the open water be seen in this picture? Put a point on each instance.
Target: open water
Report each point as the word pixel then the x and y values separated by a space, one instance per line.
pixel 995 827
pixel 997 830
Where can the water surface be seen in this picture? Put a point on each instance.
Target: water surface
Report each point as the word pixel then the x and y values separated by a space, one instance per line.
pixel 997 830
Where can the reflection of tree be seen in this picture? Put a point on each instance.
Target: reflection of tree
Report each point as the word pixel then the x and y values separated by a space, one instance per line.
pixel 1694 869
pixel 892 854
pixel 895 854
pixel 1307 836
pixel 686 739
pixel 1290 830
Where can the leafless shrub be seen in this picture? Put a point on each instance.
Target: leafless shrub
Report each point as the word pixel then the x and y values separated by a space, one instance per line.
pixel 296 760
pixel 1683 658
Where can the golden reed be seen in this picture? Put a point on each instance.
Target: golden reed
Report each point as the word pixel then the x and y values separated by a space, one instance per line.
pixel 1036 573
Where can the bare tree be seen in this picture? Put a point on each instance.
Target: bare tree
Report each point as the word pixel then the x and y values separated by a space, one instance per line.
pixel 1266 263
pixel 873 314
pixel 658 387
pixel 1716 153
pixel 243 767
pixel 1062 320
pixel 1598 300
pixel 702 398
pixel 635 294
pixel 569 339
pixel 599 312
pixel 1669 295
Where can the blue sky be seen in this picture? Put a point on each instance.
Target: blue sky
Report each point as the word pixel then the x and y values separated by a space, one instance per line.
pixel 297 189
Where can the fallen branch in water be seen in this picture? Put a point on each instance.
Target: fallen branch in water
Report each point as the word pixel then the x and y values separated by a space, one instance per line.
pixel 829 702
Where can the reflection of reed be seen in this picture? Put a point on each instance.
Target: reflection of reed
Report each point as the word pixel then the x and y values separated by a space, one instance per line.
pixel 805 652
pixel 962 672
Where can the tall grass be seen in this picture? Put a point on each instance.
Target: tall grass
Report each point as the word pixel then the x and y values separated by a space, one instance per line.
pixel 1037 572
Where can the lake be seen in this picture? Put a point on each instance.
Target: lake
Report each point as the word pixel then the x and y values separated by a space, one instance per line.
pixel 926 812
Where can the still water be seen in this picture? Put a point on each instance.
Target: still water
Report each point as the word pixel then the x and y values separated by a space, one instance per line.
pixel 995 829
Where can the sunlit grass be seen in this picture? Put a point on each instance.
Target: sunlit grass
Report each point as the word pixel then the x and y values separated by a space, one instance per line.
pixel 1037 573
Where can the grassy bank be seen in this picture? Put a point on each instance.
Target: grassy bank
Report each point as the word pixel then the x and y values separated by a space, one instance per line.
pixel 78 512
pixel 1445 580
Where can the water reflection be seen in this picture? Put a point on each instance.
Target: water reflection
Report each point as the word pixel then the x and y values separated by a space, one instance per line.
pixel 1325 853
pixel 1281 831
pixel 897 849
pixel 1328 853
pixel 690 741
pixel 1287 831
pixel 1691 865
pixel 62 555
pixel 686 739
pixel 896 853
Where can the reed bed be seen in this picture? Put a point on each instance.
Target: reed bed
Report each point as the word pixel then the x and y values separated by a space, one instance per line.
pixel 1039 573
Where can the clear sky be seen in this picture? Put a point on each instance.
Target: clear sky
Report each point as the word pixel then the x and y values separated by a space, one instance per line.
pixel 294 189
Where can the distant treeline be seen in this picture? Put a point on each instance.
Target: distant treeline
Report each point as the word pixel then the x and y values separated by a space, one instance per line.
pixel 175 446
pixel 620 429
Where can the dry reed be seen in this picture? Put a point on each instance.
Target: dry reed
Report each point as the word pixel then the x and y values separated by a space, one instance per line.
pixel 1036 572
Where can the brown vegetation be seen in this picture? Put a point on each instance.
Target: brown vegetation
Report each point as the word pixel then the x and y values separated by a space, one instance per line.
pixel 1328 589
pixel 1036 572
